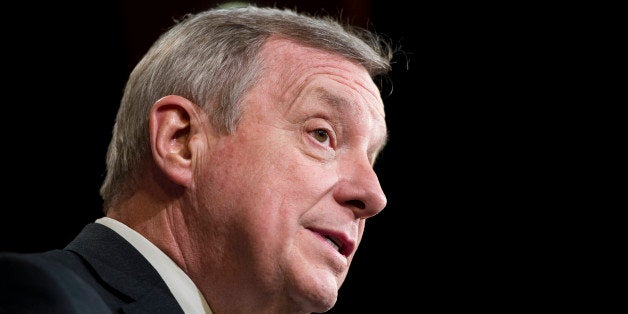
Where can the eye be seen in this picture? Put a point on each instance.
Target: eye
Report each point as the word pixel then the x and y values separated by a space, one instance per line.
pixel 321 135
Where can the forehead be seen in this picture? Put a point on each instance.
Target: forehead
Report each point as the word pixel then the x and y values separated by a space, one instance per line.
pixel 293 62
pixel 289 67
pixel 308 79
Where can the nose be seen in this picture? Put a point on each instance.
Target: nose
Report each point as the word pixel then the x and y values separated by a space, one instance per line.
pixel 359 189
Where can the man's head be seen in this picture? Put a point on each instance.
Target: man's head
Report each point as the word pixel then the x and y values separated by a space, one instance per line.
pixel 253 132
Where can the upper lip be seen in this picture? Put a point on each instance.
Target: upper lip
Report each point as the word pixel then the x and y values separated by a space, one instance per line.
pixel 344 242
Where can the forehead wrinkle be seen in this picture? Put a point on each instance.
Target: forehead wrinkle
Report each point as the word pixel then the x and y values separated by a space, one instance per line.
pixel 288 82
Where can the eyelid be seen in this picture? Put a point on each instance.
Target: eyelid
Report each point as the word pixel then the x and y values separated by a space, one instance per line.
pixel 318 124
pixel 316 140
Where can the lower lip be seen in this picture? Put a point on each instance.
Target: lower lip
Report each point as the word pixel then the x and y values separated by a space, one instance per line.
pixel 331 247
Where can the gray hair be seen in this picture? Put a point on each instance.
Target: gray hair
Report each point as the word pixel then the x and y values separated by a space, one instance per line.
pixel 211 58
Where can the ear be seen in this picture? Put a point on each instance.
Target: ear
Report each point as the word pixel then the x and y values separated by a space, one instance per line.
pixel 173 122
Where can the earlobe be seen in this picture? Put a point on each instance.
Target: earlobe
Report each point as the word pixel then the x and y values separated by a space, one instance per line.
pixel 171 126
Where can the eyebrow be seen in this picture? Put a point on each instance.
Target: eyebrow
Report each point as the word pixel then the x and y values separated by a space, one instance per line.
pixel 336 101
pixel 340 103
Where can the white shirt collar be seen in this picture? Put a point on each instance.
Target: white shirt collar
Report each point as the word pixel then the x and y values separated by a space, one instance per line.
pixel 184 290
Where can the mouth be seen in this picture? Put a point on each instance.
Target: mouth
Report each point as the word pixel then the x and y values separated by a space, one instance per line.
pixel 339 241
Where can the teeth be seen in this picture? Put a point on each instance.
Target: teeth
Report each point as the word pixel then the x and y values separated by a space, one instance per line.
pixel 331 241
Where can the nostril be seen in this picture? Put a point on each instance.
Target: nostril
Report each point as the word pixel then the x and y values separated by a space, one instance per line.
pixel 357 203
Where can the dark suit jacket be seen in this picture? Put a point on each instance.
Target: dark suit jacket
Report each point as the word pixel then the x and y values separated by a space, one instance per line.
pixel 98 272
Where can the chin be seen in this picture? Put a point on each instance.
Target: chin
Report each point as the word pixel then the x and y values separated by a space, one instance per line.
pixel 317 295
pixel 325 303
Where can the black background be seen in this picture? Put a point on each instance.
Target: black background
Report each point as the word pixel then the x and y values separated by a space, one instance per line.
pixel 457 171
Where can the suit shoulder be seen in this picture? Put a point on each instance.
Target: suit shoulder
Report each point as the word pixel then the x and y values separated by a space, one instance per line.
pixel 45 283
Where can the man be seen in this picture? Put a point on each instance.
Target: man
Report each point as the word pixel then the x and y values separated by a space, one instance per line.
pixel 239 175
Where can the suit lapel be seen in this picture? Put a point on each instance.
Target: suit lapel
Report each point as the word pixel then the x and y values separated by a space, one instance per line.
pixel 123 268
pixel 153 302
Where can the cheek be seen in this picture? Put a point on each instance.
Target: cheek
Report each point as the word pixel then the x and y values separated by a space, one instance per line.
pixel 248 180
pixel 268 185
